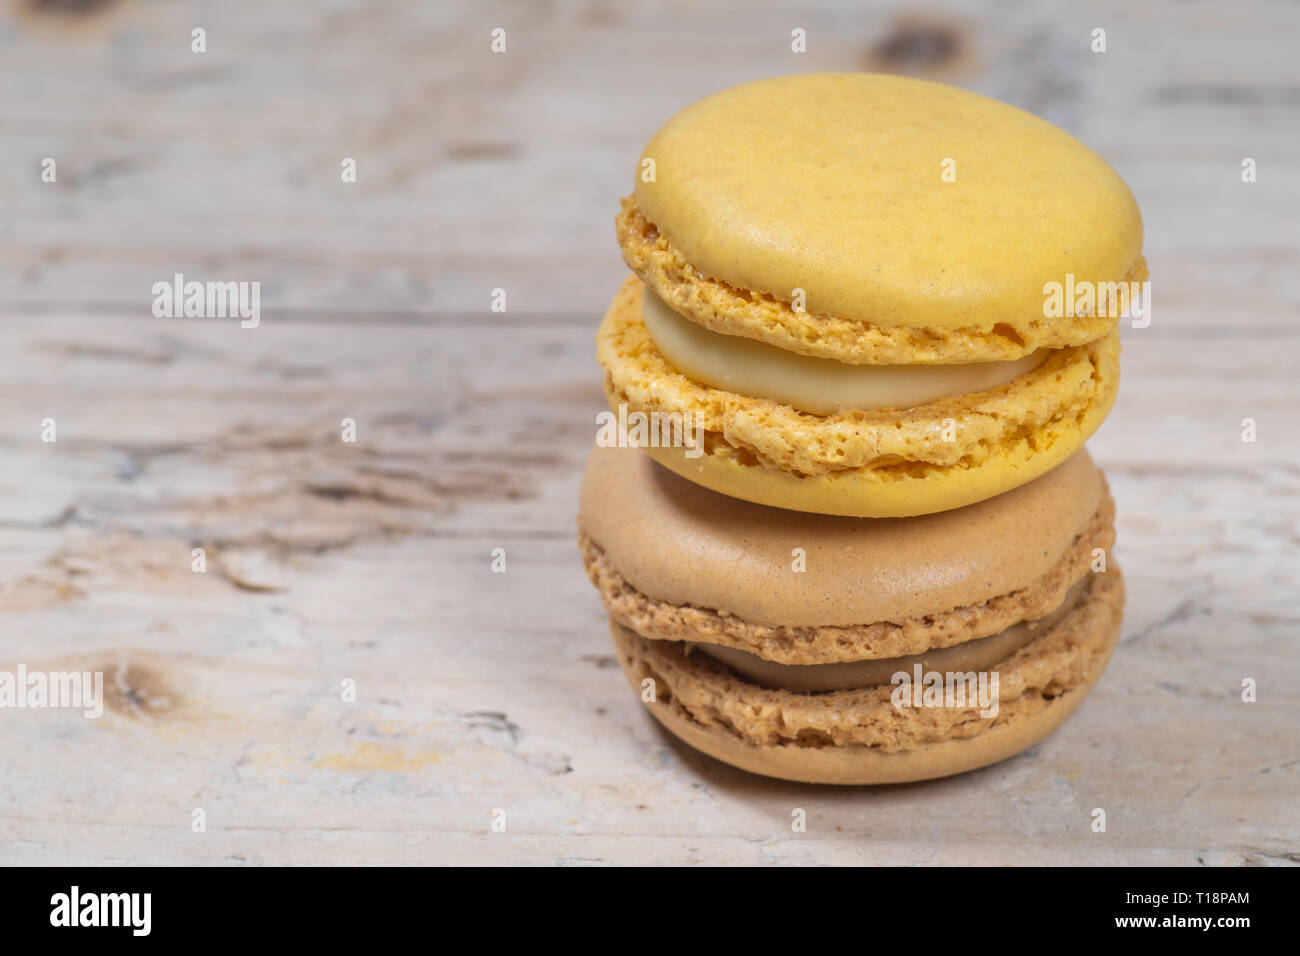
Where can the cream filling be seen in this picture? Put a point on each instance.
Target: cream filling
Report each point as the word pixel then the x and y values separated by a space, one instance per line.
pixel 816 385
pixel 977 655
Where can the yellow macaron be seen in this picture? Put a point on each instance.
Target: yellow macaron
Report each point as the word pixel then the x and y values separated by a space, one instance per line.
pixel 843 283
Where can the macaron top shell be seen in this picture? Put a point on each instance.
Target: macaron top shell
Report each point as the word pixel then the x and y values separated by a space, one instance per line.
pixel 680 543
pixel 834 184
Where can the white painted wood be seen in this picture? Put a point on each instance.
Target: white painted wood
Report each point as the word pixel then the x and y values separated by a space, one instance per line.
pixel 370 561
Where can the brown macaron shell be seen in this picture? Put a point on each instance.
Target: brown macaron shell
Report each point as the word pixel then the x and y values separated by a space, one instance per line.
pixel 859 737
pixel 680 543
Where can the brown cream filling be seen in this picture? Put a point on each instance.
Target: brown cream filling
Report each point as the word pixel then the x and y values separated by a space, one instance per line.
pixel 977 655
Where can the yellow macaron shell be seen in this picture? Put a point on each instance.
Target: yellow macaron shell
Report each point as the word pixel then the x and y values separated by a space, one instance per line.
pixel 835 184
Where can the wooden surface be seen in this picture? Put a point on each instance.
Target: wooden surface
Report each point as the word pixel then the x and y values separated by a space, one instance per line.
pixel 370 561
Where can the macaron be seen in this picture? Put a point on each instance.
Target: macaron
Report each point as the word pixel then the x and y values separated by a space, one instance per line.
pixel 831 649
pixel 848 285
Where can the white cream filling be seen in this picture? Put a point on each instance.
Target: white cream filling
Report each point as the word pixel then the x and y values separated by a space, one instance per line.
pixel 816 385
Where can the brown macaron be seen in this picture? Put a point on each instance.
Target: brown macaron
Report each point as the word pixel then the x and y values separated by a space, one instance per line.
pixel 843 650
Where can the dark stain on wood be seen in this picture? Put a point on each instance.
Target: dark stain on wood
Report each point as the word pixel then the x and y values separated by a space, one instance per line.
pixel 111 353
pixel 138 688
pixel 601 15
pixel 290 371
pixel 77 8
pixel 74 20
pixel 916 45
pixel 493 720
pixel 1228 95
pixel 480 152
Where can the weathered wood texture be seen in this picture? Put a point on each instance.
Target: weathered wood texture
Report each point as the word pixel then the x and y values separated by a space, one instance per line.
pixel 370 561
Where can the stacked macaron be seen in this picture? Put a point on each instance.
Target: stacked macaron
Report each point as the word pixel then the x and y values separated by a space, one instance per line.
pixel 886 559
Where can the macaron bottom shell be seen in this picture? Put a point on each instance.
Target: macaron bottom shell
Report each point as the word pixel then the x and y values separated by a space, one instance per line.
pixel 883 463
pixel 812 757
pixel 868 493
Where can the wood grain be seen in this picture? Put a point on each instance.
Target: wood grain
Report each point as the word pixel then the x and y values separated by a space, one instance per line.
pixel 371 561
